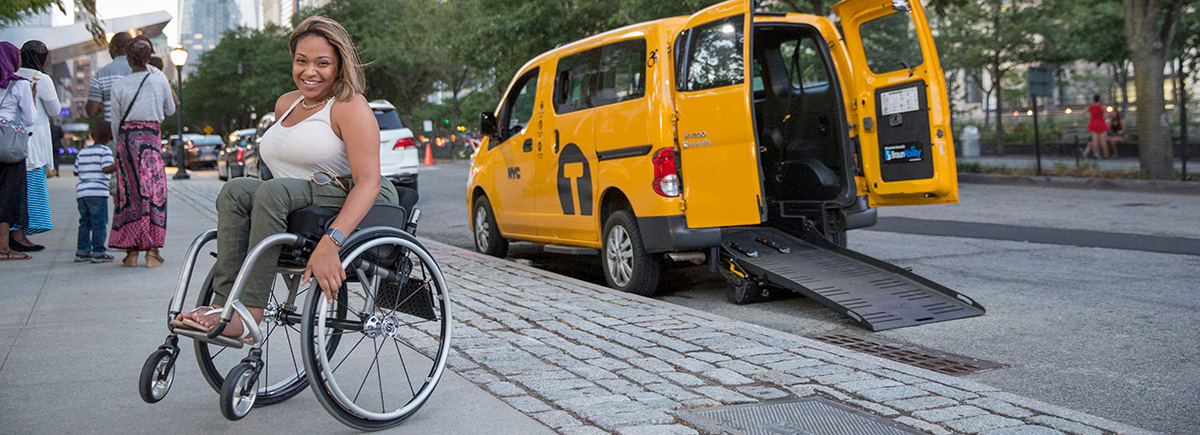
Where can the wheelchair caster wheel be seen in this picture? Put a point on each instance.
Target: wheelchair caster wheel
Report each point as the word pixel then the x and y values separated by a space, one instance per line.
pixel 238 392
pixel 157 375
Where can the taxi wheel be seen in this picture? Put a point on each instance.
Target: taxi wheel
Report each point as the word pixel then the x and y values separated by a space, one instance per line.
pixel 487 234
pixel 627 265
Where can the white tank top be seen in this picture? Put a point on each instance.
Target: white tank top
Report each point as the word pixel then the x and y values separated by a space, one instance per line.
pixel 307 147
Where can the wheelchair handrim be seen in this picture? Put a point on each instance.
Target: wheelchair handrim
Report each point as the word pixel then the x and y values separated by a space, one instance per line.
pixel 435 374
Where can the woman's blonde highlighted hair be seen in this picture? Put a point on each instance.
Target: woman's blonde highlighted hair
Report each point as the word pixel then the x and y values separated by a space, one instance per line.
pixel 350 79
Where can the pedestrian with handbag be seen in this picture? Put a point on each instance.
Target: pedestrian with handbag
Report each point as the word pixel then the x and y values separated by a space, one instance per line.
pixel 140 102
pixel 46 105
pixel 16 116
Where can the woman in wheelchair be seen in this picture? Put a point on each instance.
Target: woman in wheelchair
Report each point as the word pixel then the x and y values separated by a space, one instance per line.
pixel 324 151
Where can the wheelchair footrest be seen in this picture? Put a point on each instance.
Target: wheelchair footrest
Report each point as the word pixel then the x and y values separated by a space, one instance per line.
pixel 202 336
pixel 415 298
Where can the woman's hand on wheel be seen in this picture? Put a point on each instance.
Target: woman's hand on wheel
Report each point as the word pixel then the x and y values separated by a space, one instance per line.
pixel 325 267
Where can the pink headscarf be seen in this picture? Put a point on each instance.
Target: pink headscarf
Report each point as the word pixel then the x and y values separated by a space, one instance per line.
pixel 10 60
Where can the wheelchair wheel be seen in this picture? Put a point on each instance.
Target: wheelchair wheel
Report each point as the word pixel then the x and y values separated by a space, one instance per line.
pixel 396 337
pixel 239 394
pixel 157 376
pixel 283 374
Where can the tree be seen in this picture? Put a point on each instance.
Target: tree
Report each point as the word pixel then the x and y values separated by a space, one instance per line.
pixel 395 41
pixel 246 73
pixel 1150 27
pixel 994 36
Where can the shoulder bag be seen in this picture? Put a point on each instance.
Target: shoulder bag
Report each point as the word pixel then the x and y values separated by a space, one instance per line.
pixel 14 136
pixel 112 187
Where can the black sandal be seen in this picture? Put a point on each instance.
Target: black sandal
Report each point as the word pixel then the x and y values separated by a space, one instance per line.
pixel 11 255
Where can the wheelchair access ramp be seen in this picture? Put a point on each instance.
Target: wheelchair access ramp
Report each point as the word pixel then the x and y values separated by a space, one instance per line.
pixel 875 293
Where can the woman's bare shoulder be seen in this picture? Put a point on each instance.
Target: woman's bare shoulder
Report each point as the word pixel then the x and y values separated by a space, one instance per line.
pixel 353 106
pixel 285 101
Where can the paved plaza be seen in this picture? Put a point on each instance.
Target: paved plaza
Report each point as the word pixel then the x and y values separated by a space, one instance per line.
pixel 533 351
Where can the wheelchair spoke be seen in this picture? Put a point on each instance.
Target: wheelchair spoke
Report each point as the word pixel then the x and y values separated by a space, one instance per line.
pixel 418 351
pixel 407 377
pixel 374 364
pixel 291 347
pixel 339 364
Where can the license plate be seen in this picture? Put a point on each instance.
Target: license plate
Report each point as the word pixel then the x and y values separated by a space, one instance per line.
pixel 899 101
pixel 208 157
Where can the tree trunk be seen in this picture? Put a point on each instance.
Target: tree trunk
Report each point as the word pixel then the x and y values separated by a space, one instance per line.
pixel 999 109
pixel 1148 44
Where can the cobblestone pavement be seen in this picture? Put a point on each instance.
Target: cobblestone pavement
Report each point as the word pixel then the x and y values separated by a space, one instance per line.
pixel 584 359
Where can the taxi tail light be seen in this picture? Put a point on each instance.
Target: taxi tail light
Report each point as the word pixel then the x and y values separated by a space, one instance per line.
pixel 666 172
pixel 404 142
pixel 241 154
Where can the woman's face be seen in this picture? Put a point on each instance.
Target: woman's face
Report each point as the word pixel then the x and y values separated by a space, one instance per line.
pixel 314 67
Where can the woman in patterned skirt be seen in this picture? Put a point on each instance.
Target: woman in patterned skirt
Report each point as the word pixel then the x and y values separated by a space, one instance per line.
pixel 142 99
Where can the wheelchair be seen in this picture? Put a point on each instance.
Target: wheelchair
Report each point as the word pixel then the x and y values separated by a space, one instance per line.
pixel 393 309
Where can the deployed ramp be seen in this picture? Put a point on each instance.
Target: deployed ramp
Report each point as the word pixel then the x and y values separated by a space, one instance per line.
pixel 875 293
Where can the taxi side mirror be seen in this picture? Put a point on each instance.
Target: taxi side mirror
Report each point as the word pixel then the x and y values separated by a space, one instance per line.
pixel 487 124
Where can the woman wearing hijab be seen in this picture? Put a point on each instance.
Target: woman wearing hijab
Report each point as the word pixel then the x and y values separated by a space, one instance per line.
pixel 142 99
pixel 16 104
pixel 46 105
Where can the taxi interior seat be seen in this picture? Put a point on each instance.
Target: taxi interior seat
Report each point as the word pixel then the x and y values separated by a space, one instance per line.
pixel 801 150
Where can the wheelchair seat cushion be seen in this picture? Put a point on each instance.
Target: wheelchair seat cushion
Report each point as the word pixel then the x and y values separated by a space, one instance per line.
pixel 312 221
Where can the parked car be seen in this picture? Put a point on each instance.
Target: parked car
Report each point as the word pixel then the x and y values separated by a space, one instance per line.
pixel 399 160
pixel 252 165
pixel 201 149
pixel 230 159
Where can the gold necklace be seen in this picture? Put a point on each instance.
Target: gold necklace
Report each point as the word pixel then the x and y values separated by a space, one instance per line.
pixel 306 106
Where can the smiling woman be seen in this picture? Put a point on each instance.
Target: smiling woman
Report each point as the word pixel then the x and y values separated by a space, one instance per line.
pixel 326 129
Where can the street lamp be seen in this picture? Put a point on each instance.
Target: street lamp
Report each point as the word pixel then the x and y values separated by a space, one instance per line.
pixel 179 57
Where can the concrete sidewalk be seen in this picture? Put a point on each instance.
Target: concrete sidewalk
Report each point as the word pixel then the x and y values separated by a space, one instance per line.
pixel 542 350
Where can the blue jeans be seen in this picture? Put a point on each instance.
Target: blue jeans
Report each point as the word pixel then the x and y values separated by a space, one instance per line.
pixel 93 224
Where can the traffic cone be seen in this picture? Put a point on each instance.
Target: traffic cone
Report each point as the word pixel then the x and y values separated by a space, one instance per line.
pixel 429 155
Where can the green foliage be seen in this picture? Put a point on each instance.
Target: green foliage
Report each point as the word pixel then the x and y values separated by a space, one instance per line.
pixel 244 74
pixel 12 11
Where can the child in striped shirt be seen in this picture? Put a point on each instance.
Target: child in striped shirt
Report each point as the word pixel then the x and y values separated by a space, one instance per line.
pixel 92 166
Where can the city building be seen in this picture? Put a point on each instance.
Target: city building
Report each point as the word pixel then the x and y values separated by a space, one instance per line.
pixel 201 24
pixel 75 55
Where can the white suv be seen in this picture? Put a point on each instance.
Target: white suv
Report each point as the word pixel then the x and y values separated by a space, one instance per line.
pixel 398 156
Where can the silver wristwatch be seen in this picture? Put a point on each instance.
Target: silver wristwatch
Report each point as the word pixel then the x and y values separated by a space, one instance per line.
pixel 336 235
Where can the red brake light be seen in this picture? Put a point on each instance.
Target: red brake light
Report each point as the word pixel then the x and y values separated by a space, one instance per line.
pixel 666 176
pixel 241 153
pixel 404 143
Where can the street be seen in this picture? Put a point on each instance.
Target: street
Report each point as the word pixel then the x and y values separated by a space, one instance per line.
pixel 1109 332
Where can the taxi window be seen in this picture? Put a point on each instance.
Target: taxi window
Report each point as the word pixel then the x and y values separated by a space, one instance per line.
pixel 622 75
pixel 803 62
pixel 518 106
pixel 890 43
pixel 574 81
pixel 714 56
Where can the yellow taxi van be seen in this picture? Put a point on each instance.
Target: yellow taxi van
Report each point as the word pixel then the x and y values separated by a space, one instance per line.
pixel 648 143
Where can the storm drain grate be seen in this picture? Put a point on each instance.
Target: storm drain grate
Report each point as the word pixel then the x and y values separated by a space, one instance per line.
pixel 911 354
pixel 804 416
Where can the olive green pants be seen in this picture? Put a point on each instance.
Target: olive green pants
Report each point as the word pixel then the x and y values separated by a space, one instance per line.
pixel 250 210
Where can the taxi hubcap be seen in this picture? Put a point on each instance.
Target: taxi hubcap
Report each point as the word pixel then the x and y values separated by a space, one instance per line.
pixel 481 229
pixel 619 256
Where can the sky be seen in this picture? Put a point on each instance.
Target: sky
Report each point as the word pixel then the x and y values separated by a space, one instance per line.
pixel 120 8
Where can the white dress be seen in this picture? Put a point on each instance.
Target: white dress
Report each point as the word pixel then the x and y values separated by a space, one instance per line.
pixel 41 151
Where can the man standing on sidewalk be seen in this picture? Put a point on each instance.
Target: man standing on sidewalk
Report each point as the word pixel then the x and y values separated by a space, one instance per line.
pixel 100 95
